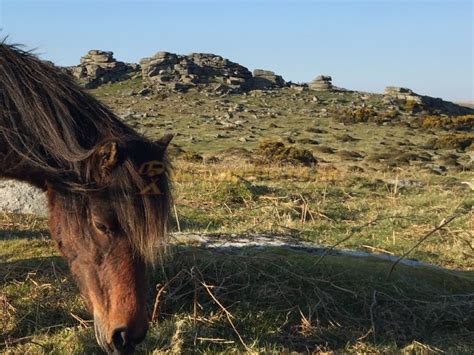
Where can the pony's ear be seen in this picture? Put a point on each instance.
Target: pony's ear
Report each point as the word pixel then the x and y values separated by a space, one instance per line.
pixel 164 141
pixel 104 159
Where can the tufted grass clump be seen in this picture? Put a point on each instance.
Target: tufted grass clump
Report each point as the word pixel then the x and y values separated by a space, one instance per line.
pixel 192 157
pixel 235 190
pixel 270 152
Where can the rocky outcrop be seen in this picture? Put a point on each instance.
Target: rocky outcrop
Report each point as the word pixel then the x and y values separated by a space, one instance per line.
pixel 175 72
pixel 205 71
pixel 266 79
pixel 405 96
pixel 180 72
pixel 321 83
pixel 100 67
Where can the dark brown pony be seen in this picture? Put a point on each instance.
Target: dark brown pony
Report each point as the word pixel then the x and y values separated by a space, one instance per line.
pixel 107 186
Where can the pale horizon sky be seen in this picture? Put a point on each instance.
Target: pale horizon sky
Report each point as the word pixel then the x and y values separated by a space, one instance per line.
pixel 425 45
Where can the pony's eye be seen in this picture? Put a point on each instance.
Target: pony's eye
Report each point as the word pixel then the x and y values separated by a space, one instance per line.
pixel 102 227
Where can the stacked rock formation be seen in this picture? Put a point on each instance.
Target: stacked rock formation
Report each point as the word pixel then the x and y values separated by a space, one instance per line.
pixel 266 79
pixel 180 72
pixel 404 94
pixel 174 72
pixel 100 67
pixel 321 83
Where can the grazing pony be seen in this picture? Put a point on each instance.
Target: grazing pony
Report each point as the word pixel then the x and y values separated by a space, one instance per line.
pixel 107 187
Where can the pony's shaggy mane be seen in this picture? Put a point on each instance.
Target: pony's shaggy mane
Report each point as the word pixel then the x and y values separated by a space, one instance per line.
pixel 49 131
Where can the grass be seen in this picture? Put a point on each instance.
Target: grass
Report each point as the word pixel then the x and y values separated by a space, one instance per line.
pixel 322 206
pixel 278 300
pixel 373 189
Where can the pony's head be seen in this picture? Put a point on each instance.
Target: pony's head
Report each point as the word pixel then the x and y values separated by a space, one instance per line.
pixel 110 231
pixel 107 186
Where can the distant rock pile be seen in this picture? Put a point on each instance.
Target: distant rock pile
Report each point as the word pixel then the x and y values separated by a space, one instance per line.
pixel 100 67
pixel 321 83
pixel 266 79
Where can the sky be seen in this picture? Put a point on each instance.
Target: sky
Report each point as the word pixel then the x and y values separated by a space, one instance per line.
pixel 424 45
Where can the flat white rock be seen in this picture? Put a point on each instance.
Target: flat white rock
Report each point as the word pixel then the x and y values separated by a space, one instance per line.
pixel 18 197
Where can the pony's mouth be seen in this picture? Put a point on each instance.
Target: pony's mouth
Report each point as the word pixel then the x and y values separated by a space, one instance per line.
pixel 100 337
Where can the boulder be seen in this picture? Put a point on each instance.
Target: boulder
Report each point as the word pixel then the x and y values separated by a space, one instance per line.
pixel 99 67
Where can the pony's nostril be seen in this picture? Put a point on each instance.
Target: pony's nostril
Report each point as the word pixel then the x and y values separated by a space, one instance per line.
pixel 121 340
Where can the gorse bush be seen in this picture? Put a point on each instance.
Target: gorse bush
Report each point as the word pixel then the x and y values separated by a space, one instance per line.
pixel 459 123
pixel 357 115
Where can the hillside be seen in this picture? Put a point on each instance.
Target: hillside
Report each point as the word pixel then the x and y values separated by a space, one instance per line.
pixel 256 158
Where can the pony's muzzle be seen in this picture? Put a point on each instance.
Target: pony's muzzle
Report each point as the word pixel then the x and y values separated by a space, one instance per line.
pixel 122 342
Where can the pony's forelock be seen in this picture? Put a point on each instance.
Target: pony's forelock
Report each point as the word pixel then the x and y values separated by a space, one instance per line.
pixel 50 129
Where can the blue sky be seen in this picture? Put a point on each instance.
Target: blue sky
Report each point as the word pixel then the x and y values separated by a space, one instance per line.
pixel 365 45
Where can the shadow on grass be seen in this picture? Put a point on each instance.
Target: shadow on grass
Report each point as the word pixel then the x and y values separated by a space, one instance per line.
pixel 7 234
pixel 284 300
pixel 279 300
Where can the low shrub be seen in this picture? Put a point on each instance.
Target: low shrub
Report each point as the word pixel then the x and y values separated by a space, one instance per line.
pixel 453 141
pixel 458 123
